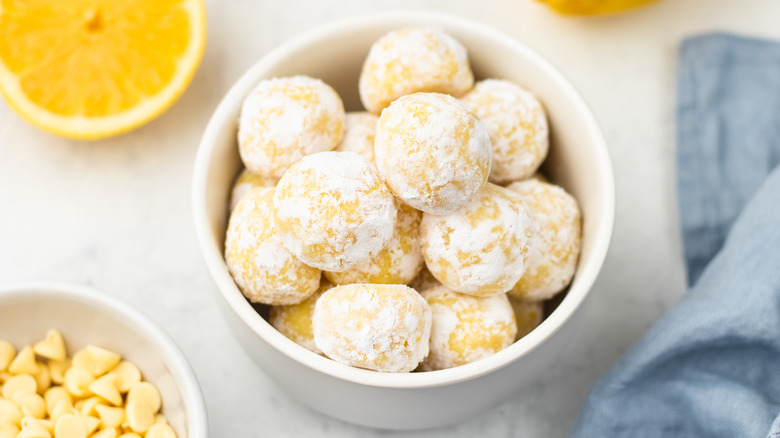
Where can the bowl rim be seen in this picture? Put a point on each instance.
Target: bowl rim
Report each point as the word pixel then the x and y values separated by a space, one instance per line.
pixel 171 354
pixel 578 291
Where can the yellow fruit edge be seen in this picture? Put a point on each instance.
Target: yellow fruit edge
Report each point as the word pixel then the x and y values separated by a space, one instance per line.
pixel 95 128
pixel 569 7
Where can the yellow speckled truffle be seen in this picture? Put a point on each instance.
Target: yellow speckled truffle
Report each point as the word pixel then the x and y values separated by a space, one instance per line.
pixel 516 122
pixel 556 245
pixel 264 270
pixel 398 262
pixel 528 315
pixel 247 181
pixel 432 151
pixel 359 134
pixel 407 61
pixel 375 326
pixel 424 280
pixel 481 248
pixel 295 320
pixel 285 119
pixel 333 210
pixel 466 328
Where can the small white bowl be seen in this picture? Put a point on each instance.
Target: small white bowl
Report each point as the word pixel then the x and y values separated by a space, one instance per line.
pixel 87 316
pixel 578 161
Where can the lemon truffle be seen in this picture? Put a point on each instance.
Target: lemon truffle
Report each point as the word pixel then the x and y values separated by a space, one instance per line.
pixel 375 326
pixel 432 151
pixel 285 119
pixel 556 246
pixel 263 269
pixel 359 134
pixel 246 181
pixel 333 211
pixel 528 315
pixel 481 248
pixel 410 60
pixel 295 320
pixel 398 262
pixel 517 125
pixel 466 328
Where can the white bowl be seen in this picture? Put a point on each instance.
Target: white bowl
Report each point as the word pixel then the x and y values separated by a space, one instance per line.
pixel 578 161
pixel 87 316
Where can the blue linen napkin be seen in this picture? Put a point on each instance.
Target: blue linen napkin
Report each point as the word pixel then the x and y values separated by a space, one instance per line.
pixel 710 367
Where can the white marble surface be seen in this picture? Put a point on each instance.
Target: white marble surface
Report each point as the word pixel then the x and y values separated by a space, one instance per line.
pixel 116 214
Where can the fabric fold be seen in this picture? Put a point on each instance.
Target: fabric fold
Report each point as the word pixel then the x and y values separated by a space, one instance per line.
pixel 710 367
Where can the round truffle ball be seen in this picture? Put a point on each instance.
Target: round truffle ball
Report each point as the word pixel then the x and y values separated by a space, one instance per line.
pixel 295 320
pixel 359 134
pixel 555 249
pixel 407 61
pixel 466 328
pixel 517 125
pixel 247 181
pixel 333 211
pixel 432 151
pixel 373 326
pixel 481 248
pixel 528 315
pixel 263 269
pixel 285 119
pixel 398 262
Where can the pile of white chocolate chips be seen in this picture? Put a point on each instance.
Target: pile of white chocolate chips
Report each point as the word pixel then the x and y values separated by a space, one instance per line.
pixel 44 393
pixel 437 238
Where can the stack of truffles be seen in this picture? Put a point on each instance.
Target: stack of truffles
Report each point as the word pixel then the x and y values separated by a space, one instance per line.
pixel 437 239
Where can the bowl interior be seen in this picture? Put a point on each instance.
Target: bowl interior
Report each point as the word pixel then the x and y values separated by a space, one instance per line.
pixel 87 317
pixel 578 161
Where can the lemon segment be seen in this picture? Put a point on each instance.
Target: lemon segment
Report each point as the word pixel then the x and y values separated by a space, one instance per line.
pixel 91 69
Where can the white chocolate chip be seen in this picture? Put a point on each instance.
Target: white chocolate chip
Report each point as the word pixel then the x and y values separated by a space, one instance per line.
pixel 22 382
pixel 139 415
pixel 160 431
pixel 147 393
pixel 77 380
pixel 127 375
pixel 24 362
pixel 7 353
pixel 70 426
pixel 106 387
pixel 53 347
pixel 110 416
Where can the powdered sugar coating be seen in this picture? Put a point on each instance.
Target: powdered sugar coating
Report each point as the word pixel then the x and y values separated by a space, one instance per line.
pixel 295 320
pixel 398 262
pixel 359 134
pixel 528 315
pixel 378 327
pixel 481 248
pixel 247 181
pixel 410 60
pixel 556 245
pixel 333 210
pixel 285 119
pixel 263 269
pixel 466 328
pixel 432 151
pixel 516 122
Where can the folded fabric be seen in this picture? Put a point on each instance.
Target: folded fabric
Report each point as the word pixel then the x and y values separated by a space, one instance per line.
pixel 710 367
pixel 728 135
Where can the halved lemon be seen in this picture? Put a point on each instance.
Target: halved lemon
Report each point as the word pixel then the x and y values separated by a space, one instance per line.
pixel 95 68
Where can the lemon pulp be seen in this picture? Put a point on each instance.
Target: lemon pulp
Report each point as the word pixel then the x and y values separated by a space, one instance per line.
pixel 89 68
